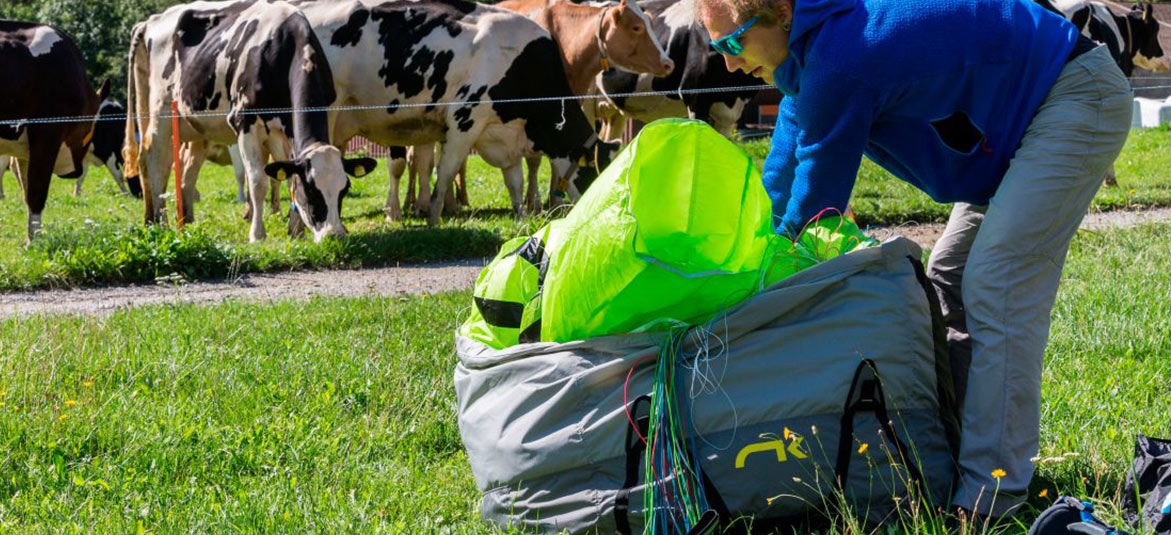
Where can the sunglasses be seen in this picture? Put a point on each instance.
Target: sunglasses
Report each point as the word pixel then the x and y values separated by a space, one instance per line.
pixel 729 45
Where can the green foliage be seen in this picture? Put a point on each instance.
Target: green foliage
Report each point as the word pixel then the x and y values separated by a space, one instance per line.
pixel 101 29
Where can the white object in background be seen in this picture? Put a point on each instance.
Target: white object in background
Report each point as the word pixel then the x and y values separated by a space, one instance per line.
pixel 1149 112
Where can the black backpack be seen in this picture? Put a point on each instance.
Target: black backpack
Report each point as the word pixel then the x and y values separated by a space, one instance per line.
pixel 1146 499
pixel 1068 516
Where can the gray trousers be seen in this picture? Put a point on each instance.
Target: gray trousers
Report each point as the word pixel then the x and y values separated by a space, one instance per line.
pixel 996 269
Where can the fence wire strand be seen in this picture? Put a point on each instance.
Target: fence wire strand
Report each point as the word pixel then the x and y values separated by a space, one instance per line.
pixel 389 107
pixel 457 103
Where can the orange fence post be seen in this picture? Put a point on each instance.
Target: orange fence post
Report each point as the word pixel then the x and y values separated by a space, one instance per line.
pixel 178 167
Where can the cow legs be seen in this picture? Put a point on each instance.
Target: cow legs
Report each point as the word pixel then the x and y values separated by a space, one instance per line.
pixel 3 167
pixel 461 185
pixel 514 177
pixel 450 160
pixel 42 149
pixel 532 193
pixel 254 157
pixel 156 153
pixel 193 154
pixel 238 167
pixel 394 169
pixel 420 161
pixel 17 171
pixel 274 197
pixel 410 199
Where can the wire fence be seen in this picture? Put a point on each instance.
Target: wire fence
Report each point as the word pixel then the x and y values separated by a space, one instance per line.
pixel 390 107
pixel 17 123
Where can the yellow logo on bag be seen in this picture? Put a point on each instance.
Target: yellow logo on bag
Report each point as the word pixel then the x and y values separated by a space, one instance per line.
pixel 782 452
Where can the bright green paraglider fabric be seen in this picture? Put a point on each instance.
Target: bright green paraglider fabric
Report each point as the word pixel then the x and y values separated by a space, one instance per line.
pixel 675 230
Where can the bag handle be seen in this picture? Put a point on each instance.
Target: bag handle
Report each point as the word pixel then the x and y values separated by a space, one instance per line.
pixel 866 395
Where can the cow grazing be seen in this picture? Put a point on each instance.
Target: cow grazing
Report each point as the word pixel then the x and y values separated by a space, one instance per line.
pixel 52 84
pixel 1133 38
pixel 105 149
pixel 593 38
pixel 415 57
pixel 697 66
pixel 247 73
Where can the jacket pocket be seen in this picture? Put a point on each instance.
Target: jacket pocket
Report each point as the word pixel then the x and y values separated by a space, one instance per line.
pixel 958 133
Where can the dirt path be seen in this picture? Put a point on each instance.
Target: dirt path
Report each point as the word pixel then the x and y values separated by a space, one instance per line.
pixel 413 279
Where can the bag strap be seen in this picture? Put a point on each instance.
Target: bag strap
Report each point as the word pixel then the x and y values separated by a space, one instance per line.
pixel 949 410
pixel 635 451
pixel 866 396
pixel 635 455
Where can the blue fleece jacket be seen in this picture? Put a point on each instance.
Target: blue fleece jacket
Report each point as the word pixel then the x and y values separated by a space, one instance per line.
pixel 938 92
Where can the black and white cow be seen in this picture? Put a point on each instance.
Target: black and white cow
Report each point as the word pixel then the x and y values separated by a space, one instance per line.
pixel 416 56
pixel 1133 38
pixel 105 149
pixel 50 73
pixel 697 66
pixel 241 72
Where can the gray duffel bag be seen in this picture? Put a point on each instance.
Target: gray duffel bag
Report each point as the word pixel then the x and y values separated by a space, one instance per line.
pixel 829 390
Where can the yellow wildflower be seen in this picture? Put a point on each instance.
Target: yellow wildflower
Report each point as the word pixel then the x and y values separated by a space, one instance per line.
pixel 999 473
pixel 87 384
pixel 788 434
pixel 862 449
pixel 1044 493
pixel 70 403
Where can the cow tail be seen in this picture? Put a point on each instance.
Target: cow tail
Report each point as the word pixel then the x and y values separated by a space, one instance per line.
pixel 136 103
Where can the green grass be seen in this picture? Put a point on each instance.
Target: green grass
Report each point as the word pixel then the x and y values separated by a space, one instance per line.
pixel 98 237
pixel 338 415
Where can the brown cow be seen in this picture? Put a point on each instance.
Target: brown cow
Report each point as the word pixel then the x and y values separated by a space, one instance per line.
pixel 53 84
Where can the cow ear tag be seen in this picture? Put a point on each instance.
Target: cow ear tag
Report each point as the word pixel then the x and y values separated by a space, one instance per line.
pixel 280 174
pixel 359 170
pixel 581 162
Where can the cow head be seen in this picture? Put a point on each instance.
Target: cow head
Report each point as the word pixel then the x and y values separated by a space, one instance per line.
pixel 1144 35
pixel 571 178
pixel 318 185
pixel 78 139
pixel 628 39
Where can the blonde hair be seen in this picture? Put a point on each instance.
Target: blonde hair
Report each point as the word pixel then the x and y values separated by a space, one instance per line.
pixel 741 10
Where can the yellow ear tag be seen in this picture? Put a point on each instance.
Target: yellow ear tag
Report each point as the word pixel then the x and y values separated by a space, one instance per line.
pixel 581 162
pixel 605 64
pixel 359 170
pixel 88 137
pixel 280 174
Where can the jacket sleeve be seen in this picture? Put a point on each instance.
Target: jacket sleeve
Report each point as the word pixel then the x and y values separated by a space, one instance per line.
pixel 818 143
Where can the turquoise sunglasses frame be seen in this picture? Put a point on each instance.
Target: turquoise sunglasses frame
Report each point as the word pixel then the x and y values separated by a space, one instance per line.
pixel 729 45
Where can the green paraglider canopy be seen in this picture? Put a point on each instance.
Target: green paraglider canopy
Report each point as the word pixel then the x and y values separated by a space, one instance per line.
pixel 676 229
